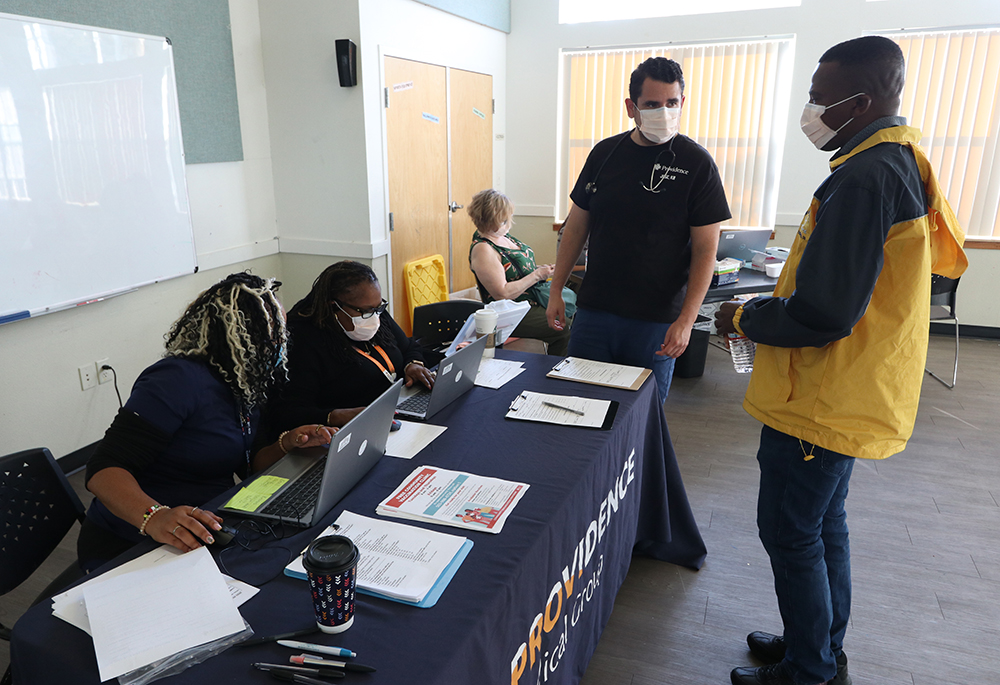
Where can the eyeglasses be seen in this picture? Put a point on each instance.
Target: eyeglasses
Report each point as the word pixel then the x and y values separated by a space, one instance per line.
pixel 365 313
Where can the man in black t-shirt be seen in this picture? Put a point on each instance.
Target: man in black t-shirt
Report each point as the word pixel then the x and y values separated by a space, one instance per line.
pixel 651 202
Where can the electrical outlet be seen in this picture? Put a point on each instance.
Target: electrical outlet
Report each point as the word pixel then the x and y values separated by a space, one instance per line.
pixel 88 377
pixel 103 376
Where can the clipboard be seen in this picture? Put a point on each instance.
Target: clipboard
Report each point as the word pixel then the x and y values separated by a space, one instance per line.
pixel 608 422
pixel 635 385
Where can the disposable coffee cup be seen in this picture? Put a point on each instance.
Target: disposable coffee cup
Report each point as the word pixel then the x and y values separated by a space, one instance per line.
pixel 774 270
pixel 331 565
pixel 486 325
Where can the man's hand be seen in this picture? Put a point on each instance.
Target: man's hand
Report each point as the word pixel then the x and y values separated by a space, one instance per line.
pixel 556 311
pixel 676 340
pixel 724 317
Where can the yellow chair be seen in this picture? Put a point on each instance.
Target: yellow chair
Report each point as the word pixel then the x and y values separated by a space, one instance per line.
pixel 425 282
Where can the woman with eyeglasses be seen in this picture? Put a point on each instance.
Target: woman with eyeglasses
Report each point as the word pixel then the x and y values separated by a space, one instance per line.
pixel 345 349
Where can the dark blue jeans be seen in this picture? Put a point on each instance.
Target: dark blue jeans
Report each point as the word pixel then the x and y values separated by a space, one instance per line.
pixel 803 525
pixel 606 337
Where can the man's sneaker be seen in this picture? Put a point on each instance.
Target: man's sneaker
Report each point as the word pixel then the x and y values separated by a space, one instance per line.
pixel 772 674
pixel 771 650
pixel 767 647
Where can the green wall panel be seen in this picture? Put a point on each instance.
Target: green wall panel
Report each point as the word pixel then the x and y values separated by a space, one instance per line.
pixel 203 58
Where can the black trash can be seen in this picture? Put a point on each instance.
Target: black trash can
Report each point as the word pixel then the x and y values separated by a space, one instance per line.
pixel 691 364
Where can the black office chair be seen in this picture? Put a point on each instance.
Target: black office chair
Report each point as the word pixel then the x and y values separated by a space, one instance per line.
pixel 435 325
pixel 943 296
pixel 37 508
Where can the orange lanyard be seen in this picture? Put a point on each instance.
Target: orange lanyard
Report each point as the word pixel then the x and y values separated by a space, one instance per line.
pixel 390 374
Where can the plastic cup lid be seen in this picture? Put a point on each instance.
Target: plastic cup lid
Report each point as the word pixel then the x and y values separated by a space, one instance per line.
pixel 330 554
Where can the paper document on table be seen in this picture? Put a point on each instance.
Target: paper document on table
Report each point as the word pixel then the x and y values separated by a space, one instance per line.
pixel 599 373
pixel 70 607
pixel 454 498
pixel 494 373
pixel 411 437
pixel 564 410
pixel 140 617
pixel 397 561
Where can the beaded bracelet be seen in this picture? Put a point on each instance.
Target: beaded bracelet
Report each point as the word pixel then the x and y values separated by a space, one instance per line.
pixel 148 515
pixel 281 442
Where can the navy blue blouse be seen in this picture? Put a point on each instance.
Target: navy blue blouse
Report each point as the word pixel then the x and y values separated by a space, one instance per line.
pixel 189 402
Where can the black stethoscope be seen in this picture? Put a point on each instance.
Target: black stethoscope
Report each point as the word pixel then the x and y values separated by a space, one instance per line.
pixel 591 187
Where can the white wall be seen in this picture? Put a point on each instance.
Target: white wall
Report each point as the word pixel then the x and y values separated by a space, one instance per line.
pixel 533 67
pixel 233 211
pixel 327 141
pixel 313 172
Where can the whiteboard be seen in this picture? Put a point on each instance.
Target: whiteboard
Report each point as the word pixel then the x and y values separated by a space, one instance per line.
pixel 93 200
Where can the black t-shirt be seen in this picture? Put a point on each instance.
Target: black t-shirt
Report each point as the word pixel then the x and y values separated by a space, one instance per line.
pixel 640 239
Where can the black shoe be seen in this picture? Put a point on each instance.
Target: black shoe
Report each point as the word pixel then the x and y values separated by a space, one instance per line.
pixel 767 647
pixel 771 650
pixel 772 674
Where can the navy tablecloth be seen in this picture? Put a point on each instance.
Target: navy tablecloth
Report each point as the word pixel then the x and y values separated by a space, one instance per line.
pixel 527 605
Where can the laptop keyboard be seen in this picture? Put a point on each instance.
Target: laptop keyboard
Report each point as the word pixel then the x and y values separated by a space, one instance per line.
pixel 299 499
pixel 416 404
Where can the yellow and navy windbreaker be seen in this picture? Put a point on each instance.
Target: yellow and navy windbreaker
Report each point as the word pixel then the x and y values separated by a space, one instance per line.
pixel 842 344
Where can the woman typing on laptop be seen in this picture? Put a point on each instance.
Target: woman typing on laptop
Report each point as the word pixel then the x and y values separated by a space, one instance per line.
pixel 345 349
pixel 191 422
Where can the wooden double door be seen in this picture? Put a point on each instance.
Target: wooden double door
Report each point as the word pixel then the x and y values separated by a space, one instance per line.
pixel 439 138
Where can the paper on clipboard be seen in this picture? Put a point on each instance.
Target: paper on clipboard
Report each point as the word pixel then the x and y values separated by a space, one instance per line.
pixel 599 373
pixel 563 410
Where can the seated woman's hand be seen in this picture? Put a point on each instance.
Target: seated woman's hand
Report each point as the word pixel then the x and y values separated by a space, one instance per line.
pixel 545 271
pixel 417 373
pixel 183 526
pixel 312 435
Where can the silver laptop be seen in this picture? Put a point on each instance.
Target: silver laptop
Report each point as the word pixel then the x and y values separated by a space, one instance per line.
pixel 319 477
pixel 455 376
pixel 742 243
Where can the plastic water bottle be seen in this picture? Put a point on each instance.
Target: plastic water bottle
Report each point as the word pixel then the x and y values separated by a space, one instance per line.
pixel 743 350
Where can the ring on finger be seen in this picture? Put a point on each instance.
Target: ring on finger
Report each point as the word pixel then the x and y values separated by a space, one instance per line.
pixel 174 531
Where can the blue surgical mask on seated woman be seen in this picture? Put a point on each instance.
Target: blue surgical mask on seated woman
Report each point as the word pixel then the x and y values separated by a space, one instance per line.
pixel 364 329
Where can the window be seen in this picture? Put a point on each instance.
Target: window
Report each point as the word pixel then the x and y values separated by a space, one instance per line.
pixel 737 107
pixel 952 96
pixel 580 11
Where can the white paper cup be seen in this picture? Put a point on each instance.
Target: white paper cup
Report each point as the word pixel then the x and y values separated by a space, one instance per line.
pixel 774 270
pixel 486 324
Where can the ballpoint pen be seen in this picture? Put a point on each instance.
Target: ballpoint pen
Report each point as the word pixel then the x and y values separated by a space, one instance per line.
pixel 306 660
pixel 295 678
pixel 301 670
pixel 559 406
pixel 258 640
pixel 319 649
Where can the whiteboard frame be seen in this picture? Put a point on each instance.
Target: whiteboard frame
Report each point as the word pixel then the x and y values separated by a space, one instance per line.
pixel 173 116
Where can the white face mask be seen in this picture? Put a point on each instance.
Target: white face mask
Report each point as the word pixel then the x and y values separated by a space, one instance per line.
pixel 659 125
pixel 815 128
pixel 364 329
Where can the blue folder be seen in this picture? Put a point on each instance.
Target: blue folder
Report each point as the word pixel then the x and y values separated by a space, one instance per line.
pixel 431 598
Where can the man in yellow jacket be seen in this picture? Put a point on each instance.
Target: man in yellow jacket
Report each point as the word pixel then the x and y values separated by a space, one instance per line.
pixel 841 348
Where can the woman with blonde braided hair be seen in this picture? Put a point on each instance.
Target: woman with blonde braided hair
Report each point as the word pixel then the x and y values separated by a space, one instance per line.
pixel 192 422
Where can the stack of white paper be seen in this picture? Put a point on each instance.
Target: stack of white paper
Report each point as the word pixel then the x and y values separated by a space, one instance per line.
pixel 184 596
pixel 411 437
pixel 494 373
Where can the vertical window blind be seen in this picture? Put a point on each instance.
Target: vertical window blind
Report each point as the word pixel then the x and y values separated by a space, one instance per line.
pixel 952 95
pixel 736 107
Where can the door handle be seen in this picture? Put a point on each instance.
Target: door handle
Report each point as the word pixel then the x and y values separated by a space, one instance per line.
pixel 454 206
